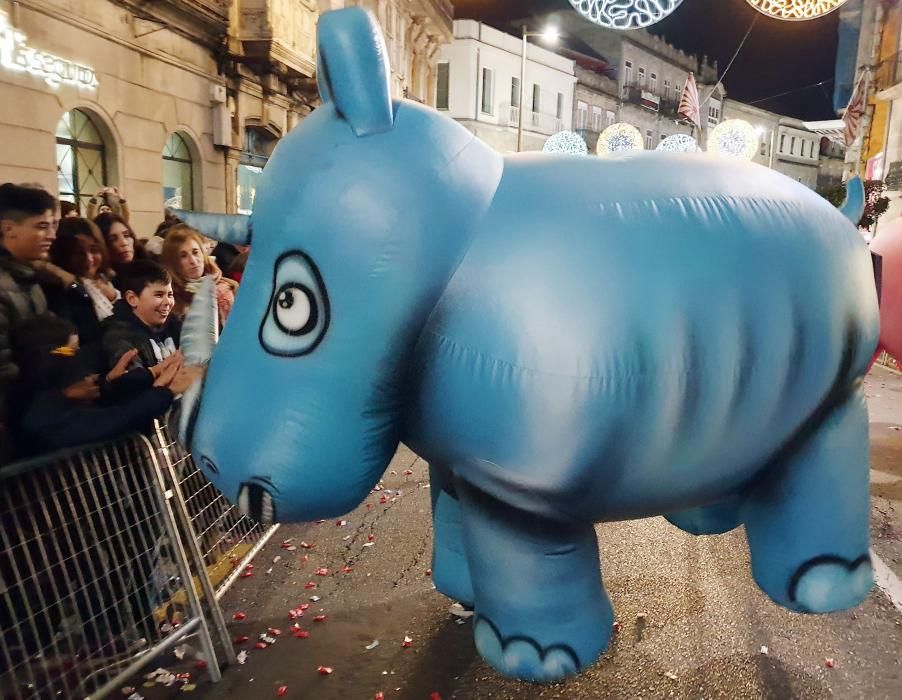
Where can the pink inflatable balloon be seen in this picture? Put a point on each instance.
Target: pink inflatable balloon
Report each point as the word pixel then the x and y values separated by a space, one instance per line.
pixel 888 267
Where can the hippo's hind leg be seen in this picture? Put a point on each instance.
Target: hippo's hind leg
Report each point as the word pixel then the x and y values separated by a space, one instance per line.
pixel 541 609
pixel 807 523
pixel 450 568
pixel 709 520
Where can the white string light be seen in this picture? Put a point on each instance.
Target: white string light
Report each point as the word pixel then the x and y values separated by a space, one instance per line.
pixel 736 138
pixel 679 143
pixel 795 9
pixel 618 138
pixel 625 14
pixel 566 142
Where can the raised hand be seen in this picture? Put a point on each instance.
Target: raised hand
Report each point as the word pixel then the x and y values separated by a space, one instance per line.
pixel 121 367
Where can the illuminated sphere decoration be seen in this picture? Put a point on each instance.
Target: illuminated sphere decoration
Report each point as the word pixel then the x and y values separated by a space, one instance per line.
pixel 736 138
pixel 625 14
pixel 679 143
pixel 568 142
pixel 618 138
pixel 795 10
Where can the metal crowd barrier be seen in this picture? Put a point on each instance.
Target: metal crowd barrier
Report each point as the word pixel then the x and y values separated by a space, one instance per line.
pixel 110 556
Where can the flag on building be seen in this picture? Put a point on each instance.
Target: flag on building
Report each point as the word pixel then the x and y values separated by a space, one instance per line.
pixel 689 105
pixel 855 109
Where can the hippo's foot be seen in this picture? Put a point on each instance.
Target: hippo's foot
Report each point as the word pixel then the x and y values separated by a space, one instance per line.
pixel 541 610
pixel 450 568
pixel 709 520
pixel 807 523
pixel 829 583
pixel 524 658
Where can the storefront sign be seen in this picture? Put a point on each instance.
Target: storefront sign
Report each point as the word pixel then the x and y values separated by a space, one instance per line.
pixel 16 55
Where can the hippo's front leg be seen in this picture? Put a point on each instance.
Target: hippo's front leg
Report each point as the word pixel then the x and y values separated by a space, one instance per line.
pixel 450 568
pixel 541 609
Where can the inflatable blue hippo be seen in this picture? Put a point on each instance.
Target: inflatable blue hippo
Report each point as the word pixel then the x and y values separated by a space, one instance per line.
pixel 566 340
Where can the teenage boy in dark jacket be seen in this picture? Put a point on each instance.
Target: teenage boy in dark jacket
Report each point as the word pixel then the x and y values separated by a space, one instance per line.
pixel 26 231
pixel 142 319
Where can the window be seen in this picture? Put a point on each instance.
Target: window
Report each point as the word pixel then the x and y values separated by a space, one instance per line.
pixel 654 82
pixel 536 98
pixel 666 88
pixel 596 118
pixel 258 147
pixel 648 140
pixel 782 143
pixel 515 93
pixel 560 106
pixel 662 136
pixel 443 84
pixel 178 174
pixel 81 154
pixel 628 72
pixel 609 118
pixel 792 146
pixel 677 92
pixel 488 106
pixel 642 78
pixel 582 115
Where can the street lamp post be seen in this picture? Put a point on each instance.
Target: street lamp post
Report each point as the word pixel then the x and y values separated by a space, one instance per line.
pixel 550 34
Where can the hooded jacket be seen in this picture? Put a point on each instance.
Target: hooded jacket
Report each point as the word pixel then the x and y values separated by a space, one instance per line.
pixel 124 330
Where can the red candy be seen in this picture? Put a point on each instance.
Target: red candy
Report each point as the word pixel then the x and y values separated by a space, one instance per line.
pixel 324 670
pixel 322 571
pixel 309 585
pixel 282 691
pixel 239 616
pixel 319 618
pixel 241 639
pixel 346 570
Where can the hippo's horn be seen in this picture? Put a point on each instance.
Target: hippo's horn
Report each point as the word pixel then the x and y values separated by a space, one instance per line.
pixel 200 332
pixel 853 207
pixel 225 228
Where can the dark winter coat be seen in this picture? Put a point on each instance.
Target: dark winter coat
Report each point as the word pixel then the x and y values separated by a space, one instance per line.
pixel 48 421
pixel 67 297
pixel 20 299
pixel 124 331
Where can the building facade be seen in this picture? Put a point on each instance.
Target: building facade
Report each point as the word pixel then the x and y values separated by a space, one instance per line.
pixel 597 104
pixel 479 86
pixel 176 102
pixel 786 145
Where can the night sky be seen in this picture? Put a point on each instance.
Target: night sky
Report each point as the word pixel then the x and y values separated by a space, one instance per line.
pixel 778 56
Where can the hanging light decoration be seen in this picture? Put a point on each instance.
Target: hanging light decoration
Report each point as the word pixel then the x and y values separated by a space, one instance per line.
pixel 736 138
pixel 618 138
pixel 679 143
pixel 795 10
pixel 566 142
pixel 625 14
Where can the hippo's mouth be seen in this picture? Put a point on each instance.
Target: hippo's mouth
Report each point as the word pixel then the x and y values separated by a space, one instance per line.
pixel 256 501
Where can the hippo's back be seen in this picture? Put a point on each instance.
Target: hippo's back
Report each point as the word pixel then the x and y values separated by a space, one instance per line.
pixel 640 334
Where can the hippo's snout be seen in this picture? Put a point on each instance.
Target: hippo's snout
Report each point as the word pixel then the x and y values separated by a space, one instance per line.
pixel 257 503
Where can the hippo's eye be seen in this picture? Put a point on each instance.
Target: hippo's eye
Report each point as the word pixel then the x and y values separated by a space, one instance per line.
pixel 298 313
pixel 295 309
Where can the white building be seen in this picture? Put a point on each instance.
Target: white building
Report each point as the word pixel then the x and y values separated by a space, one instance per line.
pixel 479 86
pixel 786 145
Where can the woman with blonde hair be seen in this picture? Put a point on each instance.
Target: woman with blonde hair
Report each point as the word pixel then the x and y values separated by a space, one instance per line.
pixel 185 257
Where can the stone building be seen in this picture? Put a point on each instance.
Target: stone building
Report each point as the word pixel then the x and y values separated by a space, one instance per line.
pixel 177 102
pixel 786 145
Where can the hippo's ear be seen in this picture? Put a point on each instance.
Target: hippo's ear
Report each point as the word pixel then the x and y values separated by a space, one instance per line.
pixel 353 70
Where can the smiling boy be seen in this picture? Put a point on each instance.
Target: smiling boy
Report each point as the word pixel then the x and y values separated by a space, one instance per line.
pixel 27 230
pixel 142 319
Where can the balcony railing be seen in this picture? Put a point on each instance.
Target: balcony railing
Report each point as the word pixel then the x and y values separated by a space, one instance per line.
pixel 535 121
pixel 639 95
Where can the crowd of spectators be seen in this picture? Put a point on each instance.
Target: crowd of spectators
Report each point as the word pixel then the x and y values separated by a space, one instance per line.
pixel 90 317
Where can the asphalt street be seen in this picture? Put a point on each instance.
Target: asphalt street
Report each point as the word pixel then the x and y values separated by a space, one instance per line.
pixel 693 624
